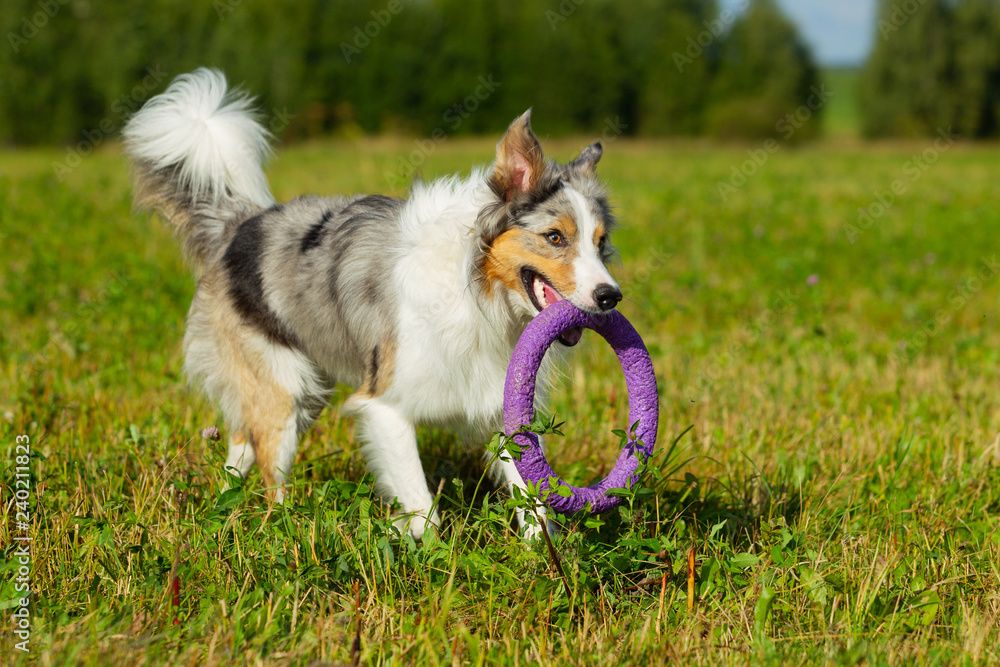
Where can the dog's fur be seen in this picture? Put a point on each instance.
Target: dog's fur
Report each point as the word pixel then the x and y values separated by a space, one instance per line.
pixel 417 302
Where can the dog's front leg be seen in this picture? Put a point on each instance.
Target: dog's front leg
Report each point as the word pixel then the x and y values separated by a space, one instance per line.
pixel 390 449
pixel 506 472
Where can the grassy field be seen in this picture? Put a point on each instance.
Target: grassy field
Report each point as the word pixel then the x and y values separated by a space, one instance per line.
pixel 840 115
pixel 830 380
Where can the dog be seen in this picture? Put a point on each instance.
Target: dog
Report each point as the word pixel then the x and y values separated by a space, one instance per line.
pixel 416 302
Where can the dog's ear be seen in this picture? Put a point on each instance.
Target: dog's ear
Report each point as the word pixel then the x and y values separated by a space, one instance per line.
pixel 588 158
pixel 520 162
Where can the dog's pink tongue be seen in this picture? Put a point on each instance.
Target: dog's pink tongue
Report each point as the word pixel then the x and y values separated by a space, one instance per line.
pixel 551 296
pixel 572 336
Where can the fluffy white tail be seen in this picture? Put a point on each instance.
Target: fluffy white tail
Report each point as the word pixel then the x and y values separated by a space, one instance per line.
pixel 209 132
pixel 198 153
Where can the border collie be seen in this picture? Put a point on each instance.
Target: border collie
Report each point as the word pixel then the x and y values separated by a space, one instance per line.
pixel 416 302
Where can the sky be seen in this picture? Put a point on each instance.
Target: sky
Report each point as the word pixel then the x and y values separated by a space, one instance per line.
pixel 840 32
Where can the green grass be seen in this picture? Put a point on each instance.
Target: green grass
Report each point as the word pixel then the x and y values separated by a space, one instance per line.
pixel 840 495
pixel 841 114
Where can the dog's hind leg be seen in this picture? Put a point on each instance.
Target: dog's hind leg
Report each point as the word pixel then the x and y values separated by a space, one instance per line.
pixel 261 414
pixel 275 442
pixel 269 395
pixel 280 395
pixel 390 449
pixel 241 457
pixel 269 391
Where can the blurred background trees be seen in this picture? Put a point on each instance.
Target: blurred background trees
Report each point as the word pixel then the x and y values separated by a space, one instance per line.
pixel 646 67
pixel 935 65
pixel 78 68
pixel 764 72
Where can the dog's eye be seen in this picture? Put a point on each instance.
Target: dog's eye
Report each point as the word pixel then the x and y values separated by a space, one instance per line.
pixel 602 242
pixel 554 237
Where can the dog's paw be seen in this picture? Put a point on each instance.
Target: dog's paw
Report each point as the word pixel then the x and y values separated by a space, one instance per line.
pixel 275 496
pixel 418 525
pixel 531 533
pixel 531 529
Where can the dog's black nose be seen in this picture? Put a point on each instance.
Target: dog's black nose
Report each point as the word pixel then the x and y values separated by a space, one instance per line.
pixel 606 296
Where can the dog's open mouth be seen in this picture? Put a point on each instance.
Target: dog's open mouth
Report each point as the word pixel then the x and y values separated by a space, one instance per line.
pixel 542 295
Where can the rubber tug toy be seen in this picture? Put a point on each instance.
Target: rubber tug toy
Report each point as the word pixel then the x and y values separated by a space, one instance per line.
pixel 519 406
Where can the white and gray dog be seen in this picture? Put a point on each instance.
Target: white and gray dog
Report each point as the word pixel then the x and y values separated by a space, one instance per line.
pixel 417 302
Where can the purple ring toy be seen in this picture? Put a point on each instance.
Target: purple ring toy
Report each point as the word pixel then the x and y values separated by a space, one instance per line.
pixel 519 402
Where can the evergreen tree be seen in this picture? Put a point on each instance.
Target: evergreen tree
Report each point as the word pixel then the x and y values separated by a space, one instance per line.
pixel 976 109
pixel 668 50
pixel 765 73
pixel 934 65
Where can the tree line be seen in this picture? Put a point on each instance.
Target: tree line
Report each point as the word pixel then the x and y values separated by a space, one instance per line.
pixel 934 67
pixel 73 71
pixel 642 67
